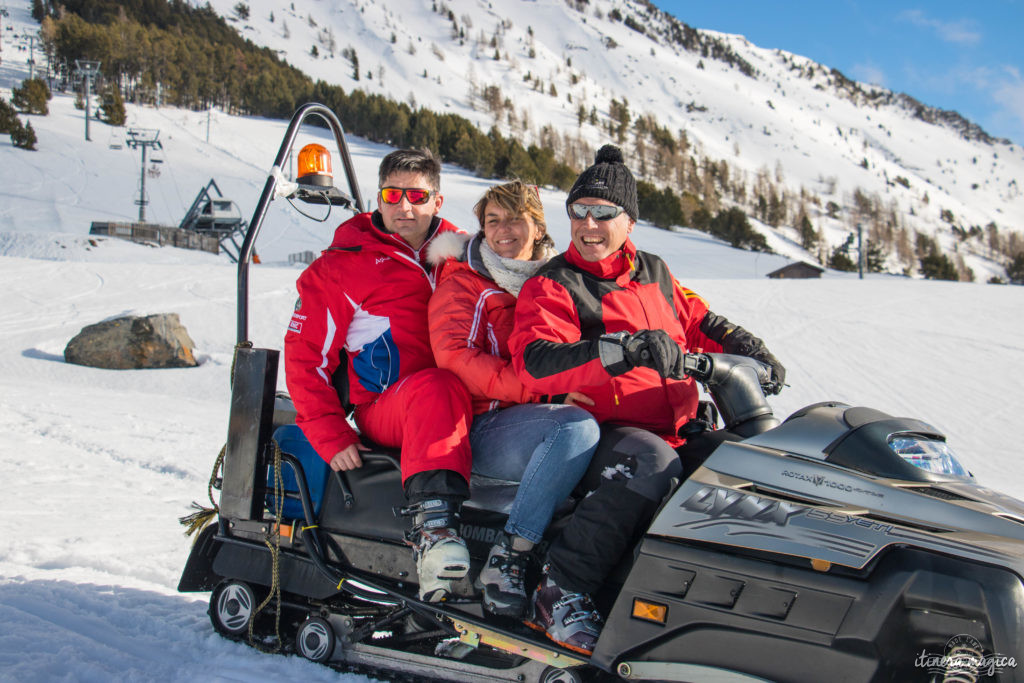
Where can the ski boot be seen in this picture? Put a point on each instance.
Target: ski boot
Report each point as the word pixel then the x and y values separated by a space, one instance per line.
pixel 441 555
pixel 570 619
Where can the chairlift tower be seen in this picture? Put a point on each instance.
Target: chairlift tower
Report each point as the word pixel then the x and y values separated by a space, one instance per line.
pixel 143 138
pixel 861 256
pixel 31 57
pixel 87 70
pixel 3 13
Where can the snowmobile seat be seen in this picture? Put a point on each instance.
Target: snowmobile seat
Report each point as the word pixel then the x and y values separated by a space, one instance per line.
pixel 494 495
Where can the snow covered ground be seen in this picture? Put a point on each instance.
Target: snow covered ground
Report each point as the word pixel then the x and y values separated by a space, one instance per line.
pixel 100 464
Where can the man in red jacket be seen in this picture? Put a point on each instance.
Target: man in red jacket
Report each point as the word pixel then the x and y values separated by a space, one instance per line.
pixel 613 323
pixel 362 310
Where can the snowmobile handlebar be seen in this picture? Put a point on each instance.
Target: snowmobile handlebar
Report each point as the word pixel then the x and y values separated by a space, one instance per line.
pixel 738 386
pixel 715 367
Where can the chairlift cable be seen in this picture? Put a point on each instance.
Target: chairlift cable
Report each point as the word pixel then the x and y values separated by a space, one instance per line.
pixel 174 180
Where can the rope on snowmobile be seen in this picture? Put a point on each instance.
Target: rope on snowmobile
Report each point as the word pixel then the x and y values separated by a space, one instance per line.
pixel 234 358
pixel 198 519
pixel 273 542
pixel 202 515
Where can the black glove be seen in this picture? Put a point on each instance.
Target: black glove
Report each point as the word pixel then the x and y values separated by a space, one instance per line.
pixel 778 369
pixel 742 343
pixel 653 349
pixel 736 340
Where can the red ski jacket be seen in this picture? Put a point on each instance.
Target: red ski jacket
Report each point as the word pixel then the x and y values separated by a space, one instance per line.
pixel 563 311
pixel 471 319
pixel 367 295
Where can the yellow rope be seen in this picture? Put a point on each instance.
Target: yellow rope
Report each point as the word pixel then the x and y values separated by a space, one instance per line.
pixel 202 515
pixel 272 540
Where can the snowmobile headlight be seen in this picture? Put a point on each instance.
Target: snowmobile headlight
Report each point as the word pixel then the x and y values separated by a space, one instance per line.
pixel 929 454
pixel 314 166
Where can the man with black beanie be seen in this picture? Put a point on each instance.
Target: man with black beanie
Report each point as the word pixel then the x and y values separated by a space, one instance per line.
pixel 613 323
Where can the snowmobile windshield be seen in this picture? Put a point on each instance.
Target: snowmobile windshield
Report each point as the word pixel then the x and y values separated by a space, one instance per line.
pixel 931 455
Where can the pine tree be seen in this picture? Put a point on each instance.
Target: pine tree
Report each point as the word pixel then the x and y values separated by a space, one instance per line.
pixel 1015 271
pixel 8 118
pixel 32 96
pixel 840 257
pixel 840 260
pixel 112 109
pixel 874 257
pixel 24 136
pixel 661 207
pixel 936 266
pixel 732 225
pixel 808 235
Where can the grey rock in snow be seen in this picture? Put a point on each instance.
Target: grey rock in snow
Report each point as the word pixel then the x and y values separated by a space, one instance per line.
pixel 132 343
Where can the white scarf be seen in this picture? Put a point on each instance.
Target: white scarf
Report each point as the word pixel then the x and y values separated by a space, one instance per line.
pixel 511 273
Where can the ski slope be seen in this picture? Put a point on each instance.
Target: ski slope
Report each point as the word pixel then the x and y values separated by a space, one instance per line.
pixel 100 464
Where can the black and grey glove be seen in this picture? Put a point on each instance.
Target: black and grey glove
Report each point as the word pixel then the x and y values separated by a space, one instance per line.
pixel 778 369
pixel 742 343
pixel 655 349
pixel 734 339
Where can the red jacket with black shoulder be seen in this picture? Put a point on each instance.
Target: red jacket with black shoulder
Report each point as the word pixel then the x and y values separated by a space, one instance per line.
pixel 563 311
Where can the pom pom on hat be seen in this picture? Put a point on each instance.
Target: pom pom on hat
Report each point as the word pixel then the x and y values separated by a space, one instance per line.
pixel 607 179
pixel 609 154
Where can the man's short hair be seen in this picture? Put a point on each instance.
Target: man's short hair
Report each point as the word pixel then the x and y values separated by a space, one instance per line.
pixel 420 161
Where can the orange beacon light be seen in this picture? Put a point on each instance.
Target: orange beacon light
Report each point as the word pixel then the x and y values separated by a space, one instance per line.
pixel 314 166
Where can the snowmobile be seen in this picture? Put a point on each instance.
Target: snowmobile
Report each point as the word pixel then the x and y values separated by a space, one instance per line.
pixel 839 544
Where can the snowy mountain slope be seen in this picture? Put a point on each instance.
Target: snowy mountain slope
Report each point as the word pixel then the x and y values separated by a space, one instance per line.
pixel 791 119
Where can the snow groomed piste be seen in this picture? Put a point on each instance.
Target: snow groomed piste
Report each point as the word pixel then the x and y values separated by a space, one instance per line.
pixel 840 540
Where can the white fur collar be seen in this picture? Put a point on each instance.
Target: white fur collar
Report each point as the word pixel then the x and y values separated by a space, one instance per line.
pixel 447 245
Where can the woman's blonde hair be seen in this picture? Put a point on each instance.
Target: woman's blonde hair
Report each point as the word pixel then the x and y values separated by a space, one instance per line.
pixel 518 198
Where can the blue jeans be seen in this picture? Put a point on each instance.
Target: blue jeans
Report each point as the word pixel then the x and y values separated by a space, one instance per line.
pixel 545 447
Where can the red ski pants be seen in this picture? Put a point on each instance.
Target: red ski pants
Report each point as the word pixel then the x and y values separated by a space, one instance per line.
pixel 427 415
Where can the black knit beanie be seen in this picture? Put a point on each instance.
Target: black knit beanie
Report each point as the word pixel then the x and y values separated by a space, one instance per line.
pixel 607 179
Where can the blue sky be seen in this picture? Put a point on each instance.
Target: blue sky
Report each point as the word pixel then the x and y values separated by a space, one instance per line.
pixel 964 56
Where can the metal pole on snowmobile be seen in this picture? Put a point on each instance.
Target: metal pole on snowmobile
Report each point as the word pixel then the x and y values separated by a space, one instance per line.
pixel 248 244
